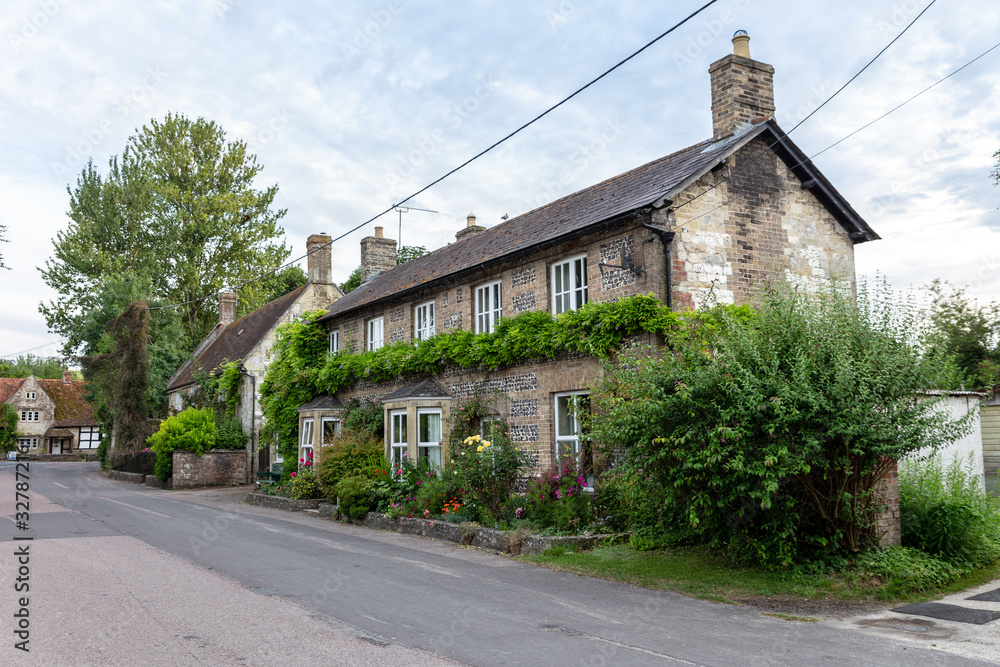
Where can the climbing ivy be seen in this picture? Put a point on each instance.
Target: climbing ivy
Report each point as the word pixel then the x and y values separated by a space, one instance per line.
pixel 301 369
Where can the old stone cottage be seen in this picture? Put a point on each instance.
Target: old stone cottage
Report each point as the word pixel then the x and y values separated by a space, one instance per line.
pixel 713 220
pixel 248 340
pixel 54 416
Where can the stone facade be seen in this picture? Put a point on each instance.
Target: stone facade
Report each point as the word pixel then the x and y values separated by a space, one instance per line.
pixel 54 417
pixel 216 467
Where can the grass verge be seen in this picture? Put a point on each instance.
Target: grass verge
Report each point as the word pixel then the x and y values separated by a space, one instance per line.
pixel 702 574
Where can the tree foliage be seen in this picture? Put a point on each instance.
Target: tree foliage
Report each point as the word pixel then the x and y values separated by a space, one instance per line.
pixel 769 437
pixel 179 211
pixel 44 368
pixel 190 430
pixel 8 428
pixel 405 254
pixel 119 374
pixel 967 332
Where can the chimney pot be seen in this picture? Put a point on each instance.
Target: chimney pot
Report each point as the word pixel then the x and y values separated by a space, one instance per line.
pixel 741 44
pixel 378 232
pixel 470 220
pixel 470 228
pixel 67 376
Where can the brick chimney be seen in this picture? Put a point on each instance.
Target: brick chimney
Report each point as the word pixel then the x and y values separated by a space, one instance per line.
pixel 378 254
pixel 67 376
pixel 742 89
pixel 227 308
pixel 320 266
pixel 470 227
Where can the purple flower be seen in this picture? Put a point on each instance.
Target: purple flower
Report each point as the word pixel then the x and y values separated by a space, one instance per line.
pixel 579 480
pixel 558 494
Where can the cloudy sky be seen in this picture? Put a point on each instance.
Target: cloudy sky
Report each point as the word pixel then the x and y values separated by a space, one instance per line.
pixel 352 106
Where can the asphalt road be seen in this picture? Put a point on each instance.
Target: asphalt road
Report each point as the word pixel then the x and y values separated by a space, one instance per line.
pixel 399 599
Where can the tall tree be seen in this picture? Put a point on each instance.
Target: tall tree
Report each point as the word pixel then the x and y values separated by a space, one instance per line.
pixel 46 368
pixel 8 428
pixel 967 331
pixel 178 209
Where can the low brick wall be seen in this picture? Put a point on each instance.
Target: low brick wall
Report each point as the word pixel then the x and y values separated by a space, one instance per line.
pixel 890 532
pixel 279 503
pixel 216 467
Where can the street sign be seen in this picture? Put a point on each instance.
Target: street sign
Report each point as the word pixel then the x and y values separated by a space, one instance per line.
pixel 12 456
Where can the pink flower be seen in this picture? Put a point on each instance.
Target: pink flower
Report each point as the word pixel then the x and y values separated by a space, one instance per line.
pixel 558 494
pixel 579 480
pixel 293 474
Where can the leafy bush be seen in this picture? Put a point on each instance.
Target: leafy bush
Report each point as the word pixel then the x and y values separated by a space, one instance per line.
pixel 229 434
pixel 353 451
pixel 487 471
pixel 905 570
pixel 354 498
pixel 945 512
pixel 556 502
pixel 364 416
pixel 433 493
pixel 102 452
pixel 190 430
pixel 767 436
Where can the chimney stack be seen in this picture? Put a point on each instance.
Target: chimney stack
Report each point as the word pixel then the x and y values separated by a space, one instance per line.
pixel 742 89
pixel 378 254
pixel 320 266
pixel 67 376
pixel 227 308
pixel 470 227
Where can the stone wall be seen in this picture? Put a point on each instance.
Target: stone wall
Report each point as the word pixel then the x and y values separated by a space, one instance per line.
pixel 217 467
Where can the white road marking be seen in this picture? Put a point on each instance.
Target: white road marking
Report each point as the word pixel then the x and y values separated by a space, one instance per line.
pixel 141 509
pixel 61 486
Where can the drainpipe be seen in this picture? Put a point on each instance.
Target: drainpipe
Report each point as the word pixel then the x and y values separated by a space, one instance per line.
pixel 666 238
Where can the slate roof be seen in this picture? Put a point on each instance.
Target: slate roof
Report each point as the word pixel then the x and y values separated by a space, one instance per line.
pixel 422 389
pixel 622 194
pixel 235 341
pixel 72 406
pixel 324 402
pixel 8 387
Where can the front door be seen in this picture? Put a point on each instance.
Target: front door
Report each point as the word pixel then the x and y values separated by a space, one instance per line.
pixel 57 445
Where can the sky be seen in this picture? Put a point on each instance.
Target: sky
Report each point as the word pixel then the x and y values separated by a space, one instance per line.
pixel 352 106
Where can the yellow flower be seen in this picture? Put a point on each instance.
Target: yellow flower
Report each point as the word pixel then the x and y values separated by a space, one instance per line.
pixel 486 443
pixel 480 448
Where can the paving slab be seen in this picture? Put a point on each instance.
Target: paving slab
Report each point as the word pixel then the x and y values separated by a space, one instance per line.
pixel 988 596
pixel 950 612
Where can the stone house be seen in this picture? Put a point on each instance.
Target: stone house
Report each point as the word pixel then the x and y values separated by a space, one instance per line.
pixel 248 340
pixel 54 416
pixel 714 220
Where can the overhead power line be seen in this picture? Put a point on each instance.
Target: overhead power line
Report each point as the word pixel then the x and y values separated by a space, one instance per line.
pixel 475 157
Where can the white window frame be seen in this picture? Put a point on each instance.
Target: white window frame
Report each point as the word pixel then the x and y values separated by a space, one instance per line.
pixel 26 443
pixel 376 333
pixel 575 441
pixel 489 306
pixel 30 395
pixel 569 284
pixel 334 341
pixel 486 426
pixel 430 450
pixel 306 444
pixel 322 432
pixel 423 321
pixel 398 443
pixel 29 416
pixel 90 437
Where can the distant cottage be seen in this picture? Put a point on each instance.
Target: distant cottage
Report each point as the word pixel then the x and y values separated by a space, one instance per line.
pixel 715 220
pixel 54 417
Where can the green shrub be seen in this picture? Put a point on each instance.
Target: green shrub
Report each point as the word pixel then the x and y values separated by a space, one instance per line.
pixel 304 485
pixel 229 434
pixel 189 430
pixel 353 452
pixel 102 452
pixel 487 472
pixel 944 511
pixel 354 498
pixel 433 493
pixel 556 502
pixel 905 570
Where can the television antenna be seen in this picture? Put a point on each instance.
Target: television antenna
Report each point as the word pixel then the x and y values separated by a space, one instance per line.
pixel 406 209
